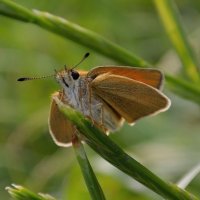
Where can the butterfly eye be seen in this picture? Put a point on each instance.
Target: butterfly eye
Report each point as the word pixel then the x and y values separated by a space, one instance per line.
pixel 75 75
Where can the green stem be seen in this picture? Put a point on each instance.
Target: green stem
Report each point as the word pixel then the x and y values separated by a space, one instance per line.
pixel 70 30
pixel 184 88
pixel 93 186
pixel 117 157
pixel 90 39
pixel 170 19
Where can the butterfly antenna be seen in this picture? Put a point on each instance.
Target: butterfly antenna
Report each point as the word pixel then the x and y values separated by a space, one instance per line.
pixel 33 78
pixel 84 57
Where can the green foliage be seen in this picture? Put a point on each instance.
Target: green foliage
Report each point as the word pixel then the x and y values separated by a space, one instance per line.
pixel 89 176
pixel 164 143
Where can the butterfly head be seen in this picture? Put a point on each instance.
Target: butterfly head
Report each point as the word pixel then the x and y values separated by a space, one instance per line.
pixel 67 78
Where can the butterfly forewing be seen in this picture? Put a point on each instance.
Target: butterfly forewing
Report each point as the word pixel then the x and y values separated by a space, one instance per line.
pixel 131 99
pixel 151 77
pixel 60 128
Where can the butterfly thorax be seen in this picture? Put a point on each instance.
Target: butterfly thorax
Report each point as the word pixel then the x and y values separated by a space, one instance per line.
pixel 78 94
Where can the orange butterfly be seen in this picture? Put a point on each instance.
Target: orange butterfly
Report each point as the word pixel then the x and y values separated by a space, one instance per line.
pixel 108 96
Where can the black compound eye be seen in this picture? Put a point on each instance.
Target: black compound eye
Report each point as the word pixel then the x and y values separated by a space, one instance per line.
pixel 75 75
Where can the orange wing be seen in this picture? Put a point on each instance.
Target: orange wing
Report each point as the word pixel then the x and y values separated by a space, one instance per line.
pixel 60 128
pixel 131 99
pixel 152 77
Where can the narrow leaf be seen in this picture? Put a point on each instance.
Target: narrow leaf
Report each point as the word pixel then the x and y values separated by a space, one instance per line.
pixel 110 151
pixel 171 20
pixel 187 179
pixel 93 186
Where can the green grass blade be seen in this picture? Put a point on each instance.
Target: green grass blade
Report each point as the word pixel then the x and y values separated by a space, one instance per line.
pixel 117 157
pixel 20 193
pixel 184 88
pixel 92 40
pixel 187 178
pixel 170 19
pixel 93 186
pixel 70 30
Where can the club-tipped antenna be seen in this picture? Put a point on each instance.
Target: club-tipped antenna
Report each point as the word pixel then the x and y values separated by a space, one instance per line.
pixel 84 57
pixel 33 78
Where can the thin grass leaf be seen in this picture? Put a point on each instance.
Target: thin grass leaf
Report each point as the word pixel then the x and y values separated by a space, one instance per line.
pixel 92 40
pixel 93 186
pixel 20 193
pixel 171 21
pixel 110 151
pixel 184 88
pixel 69 30
pixel 187 178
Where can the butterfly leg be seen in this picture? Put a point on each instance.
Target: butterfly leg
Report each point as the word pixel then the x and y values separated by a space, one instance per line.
pixel 101 114
pixel 90 102
pixel 76 137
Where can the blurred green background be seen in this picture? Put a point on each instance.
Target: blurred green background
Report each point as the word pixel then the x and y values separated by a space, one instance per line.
pixel 168 144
